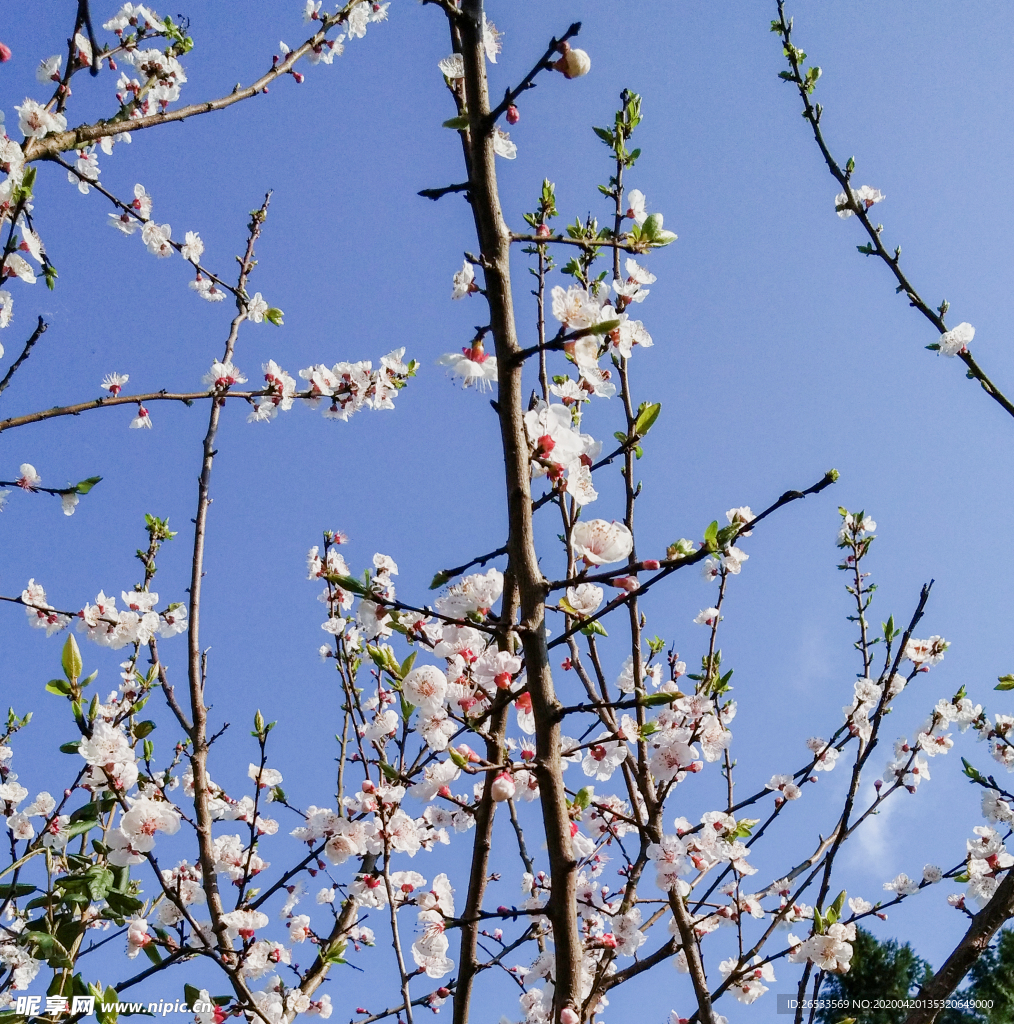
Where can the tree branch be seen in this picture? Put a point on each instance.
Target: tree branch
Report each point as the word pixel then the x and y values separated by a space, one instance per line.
pixel 876 247
pixel 528 82
pixel 85 135
pixel 16 365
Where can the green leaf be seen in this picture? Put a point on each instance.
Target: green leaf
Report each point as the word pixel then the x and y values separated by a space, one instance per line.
pixel 440 579
pixel 584 797
pixel 16 891
pixel 333 954
pixel 654 699
pixel 839 903
pixel 123 903
pixel 100 881
pixel 1005 683
pixel 651 227
pixel 744 828
pixel 71 658
pixel 972 772
pixel 604 327
pixel 191 995
pixel 459 759
pixel 152 953
pixel 594 628
pixel 646 418
pixel 459 124
pixel 604 134
pixel 389 771
pixel 406 665
pixel 142 729
pixel 87 812
pixel 77 828
pixel 711 536
pixel 349 583
pixel 69 748
pixel 58 686
pixel 84 486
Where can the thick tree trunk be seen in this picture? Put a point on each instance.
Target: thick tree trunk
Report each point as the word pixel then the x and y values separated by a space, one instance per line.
pixel 494 241
pixel 980 932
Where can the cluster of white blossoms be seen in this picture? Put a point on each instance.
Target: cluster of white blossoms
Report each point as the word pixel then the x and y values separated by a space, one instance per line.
pixel 559 448
pixel 342 390
pixel 28 479
pixel 830 950
pixel 112 768
pixel 105 624
pixel 561 451
pixel 157 238
pixel 33 119
pixel 16 957
pixel 864 197
pixel 987 860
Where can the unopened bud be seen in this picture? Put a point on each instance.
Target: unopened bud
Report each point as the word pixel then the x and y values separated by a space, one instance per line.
pixel 513 114
pixel 503 787
pixel 573 63
pixel 542 231
pixel 627 583
pixel 5 53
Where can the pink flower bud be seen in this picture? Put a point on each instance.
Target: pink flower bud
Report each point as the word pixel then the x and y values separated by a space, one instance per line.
pixel 627 583
pixel 651 563
pixel 298 77
pixel 569 1016
pixel 542 231
pixel 513 114
pixel 5 53
pixel 503 787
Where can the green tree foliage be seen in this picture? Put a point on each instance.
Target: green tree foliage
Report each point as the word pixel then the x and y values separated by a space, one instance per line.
pixel 890 970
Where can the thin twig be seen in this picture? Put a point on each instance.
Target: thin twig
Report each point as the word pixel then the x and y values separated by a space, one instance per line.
pixel 16 365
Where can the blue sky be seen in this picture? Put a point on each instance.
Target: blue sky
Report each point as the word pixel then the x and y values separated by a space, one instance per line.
pixel 779 352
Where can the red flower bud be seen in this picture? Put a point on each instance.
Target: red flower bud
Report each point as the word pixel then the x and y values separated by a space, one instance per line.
pixel 513 114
